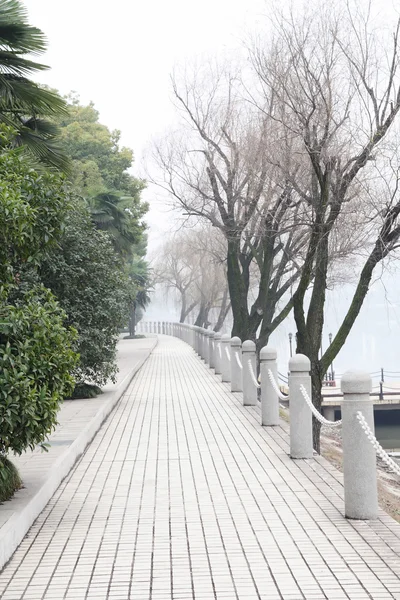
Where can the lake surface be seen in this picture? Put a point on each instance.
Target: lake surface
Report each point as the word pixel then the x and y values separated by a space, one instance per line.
pixel 388 435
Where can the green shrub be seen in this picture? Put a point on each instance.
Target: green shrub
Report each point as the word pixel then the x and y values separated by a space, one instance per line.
pixel 36 361
pixel 88 279
pixel 10 480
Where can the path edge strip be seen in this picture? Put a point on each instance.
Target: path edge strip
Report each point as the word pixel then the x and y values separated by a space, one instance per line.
pixel 15 529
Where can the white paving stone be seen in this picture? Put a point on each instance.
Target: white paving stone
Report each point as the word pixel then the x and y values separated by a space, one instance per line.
pixel 182 495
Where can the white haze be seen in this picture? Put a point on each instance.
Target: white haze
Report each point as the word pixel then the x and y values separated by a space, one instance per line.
pixel 120 55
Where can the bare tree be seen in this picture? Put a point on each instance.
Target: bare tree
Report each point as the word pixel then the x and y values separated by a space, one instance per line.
pixel 220 168
pixel 190 264
pixel 339 96
pixel 174 269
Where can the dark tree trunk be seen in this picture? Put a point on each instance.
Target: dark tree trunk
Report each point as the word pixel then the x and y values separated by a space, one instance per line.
pixel 202 317
pixel 237 291
pixel 132 320
pixel 223 311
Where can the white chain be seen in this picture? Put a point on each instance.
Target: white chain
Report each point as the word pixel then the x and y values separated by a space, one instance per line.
pixel 276 387
pixel 228 354
pixel 315 412
pixel 238 361
pixel 252 375
pixel 379 450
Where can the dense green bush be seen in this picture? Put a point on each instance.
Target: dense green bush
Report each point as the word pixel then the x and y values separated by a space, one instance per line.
pixel 88 279
pixel 32 210
pixel 36 362
pixel 10 480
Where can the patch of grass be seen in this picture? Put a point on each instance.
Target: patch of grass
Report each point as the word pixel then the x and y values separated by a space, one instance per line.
pixel 134 337
pixel 10 480
pixel 85 390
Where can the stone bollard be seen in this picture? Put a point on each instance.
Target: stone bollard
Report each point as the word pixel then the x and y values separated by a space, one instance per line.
pixel 193 336
pixel 217 353
pixel 202 338
pixel 359 455
pixel 301 439
pixel 236 371
pixel 206 346
pixel 196 339
pixel 211 349
pixel 249 389
pixel 269 397
pixel 225 357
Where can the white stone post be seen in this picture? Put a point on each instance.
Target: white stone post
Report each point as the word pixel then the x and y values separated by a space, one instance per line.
pixel 269 398
pixel 206 346
pixel 249 389
pixel 225 356
pixel 301 440
pixel 211 349
pixel 359 455
pixel 193 337
pixel 217 353
pixel 202 343
pixel 236 371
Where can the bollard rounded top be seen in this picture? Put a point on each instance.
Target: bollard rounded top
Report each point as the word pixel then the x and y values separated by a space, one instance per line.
pixel 225 337
pixel 299 362
pixel 217 335
pixel 206 332
pixel 356 382
pixel 235 341
pixel 248 346
pixel 268 353
pixel 211 334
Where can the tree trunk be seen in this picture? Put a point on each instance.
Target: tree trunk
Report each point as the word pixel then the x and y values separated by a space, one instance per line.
pixel 183 309
pixel 202 317
pixel 132 320
pixel 316 384
pixel 237 291
pixel 225 308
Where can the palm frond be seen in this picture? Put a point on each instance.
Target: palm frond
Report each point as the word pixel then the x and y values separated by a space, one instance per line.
pixel 15 32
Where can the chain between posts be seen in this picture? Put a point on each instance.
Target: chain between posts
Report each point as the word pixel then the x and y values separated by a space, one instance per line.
pixel 238 361
pixel 276 387
pixel 379 450
pixel 315 412
pixel 252 375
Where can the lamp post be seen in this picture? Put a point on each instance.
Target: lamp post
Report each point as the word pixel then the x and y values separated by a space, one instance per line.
pixel 290 344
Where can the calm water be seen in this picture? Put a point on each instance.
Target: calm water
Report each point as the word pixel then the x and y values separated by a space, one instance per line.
pixel 388 435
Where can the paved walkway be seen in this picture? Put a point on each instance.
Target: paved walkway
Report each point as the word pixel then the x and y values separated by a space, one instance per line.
pixel 182 495
pixel 35 466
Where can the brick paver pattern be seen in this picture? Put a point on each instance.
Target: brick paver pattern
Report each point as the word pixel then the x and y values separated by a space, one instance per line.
pixel 183 495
